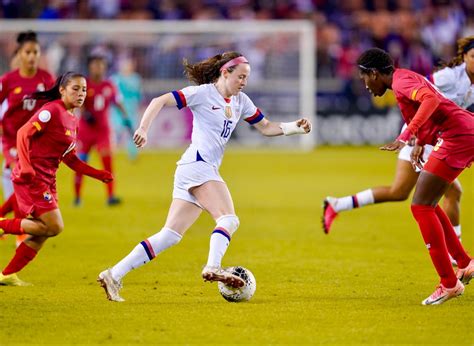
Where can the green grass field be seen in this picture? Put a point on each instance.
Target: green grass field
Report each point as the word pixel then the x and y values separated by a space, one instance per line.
pixel 363 283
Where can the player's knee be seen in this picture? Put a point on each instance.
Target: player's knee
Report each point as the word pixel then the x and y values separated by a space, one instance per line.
pixel 228 222
pixel 54 228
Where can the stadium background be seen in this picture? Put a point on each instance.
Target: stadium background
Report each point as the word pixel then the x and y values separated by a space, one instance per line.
pixel 361 284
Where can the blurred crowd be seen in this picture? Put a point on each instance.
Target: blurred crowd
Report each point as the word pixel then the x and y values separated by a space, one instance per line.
pixel 417 33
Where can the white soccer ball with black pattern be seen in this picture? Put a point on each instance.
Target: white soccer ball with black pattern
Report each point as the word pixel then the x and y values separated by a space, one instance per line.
pixel 241 294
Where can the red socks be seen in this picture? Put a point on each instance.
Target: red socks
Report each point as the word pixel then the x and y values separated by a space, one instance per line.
pixel 11 226
pixel 107 162
pixel 434 236
pixel 24 254
pixel 452 241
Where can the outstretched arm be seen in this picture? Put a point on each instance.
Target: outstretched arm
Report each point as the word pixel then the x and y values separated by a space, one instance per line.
pixel 79 166
pixel 155 106
pixel 269 128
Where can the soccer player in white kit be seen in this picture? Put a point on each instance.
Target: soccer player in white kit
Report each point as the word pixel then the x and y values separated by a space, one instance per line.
pixel 455 81
pixel 217 104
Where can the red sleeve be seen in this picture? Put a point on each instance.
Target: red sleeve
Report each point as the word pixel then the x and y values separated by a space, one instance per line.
pixel 79 166
pixel 428 104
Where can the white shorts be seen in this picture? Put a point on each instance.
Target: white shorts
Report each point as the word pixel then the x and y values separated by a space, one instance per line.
pixel 405 153
pixel 190 175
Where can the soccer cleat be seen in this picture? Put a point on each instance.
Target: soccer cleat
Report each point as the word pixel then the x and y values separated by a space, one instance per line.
pixel 329 214
pixel 12 280
pixel 112 201
pixel 211 273
pixel 111 287
pixel 77 202
pixel 442 294
pixel 466 274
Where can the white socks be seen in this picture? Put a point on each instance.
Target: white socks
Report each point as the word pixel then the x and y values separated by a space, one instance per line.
pixel 217 248
pixel 145 252
pixel 350 202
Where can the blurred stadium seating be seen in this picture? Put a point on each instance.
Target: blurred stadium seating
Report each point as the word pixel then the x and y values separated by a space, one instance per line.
pixel 418 34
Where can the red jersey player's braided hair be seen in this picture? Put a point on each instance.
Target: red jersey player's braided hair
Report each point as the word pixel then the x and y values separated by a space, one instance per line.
pixel 465 44
pixel 375 59
pixel 209 70
pixel 53 93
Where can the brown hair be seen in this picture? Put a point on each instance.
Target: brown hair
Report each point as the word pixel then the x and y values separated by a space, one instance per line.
pixel 53 93
pixel 463 44
pixel 208 71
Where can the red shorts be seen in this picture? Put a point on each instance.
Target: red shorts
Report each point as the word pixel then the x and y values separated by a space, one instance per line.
pixel 441 169
pixel 88 137
pixel 35 198
pixel 457 152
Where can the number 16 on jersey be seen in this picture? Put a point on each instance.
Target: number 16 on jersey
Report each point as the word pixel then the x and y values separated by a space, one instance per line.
pixel 226 130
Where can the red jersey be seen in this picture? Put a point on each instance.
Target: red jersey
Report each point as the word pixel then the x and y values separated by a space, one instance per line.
pixel 447 121
pixel 56 136
pixel 95 113
pixel 13 88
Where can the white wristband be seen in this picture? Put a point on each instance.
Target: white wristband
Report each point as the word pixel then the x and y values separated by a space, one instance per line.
pixel 291 129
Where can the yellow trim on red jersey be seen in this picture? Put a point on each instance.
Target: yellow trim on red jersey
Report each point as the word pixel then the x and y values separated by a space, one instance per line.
pixel 37 125
pixel 413 94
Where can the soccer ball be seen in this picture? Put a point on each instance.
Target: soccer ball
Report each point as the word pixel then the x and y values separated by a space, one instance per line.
pixel 241 294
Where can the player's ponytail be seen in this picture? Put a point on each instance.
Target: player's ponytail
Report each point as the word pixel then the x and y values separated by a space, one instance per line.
pixel 209 70
pixel 375 59
pixel 465 44
pixel 53 93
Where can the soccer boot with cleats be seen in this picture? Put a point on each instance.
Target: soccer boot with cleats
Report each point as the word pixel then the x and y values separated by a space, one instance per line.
pixel 329 214
pixel 112 287
pixel 466 274
pixel 442 294
pixel 211 273
pixel 12 280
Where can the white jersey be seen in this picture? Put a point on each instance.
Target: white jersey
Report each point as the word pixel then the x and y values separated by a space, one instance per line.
pixel 214 120
pixel 455 85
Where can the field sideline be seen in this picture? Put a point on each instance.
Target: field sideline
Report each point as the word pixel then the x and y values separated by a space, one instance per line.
pixel 363 283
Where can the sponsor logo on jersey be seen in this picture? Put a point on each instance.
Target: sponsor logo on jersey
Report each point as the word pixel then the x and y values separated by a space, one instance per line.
pixel 17 90
pixel 40 87
pixel 47 196
pixel 438 145
pixel 13 152
pixel 215 108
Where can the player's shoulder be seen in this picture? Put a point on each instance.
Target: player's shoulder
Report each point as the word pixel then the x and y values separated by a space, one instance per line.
pixel 449 74
pixel 56 106
pixel 11 75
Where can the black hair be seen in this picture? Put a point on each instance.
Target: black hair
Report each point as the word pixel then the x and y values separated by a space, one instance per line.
pixel 209 70
pixel 26 36
pixel 375 59
pixel 53 93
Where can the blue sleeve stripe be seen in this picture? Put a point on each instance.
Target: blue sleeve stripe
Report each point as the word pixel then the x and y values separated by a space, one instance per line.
pixel 258 116
pixel 178 96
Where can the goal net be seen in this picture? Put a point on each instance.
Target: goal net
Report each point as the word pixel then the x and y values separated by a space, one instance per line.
pixel 281 54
